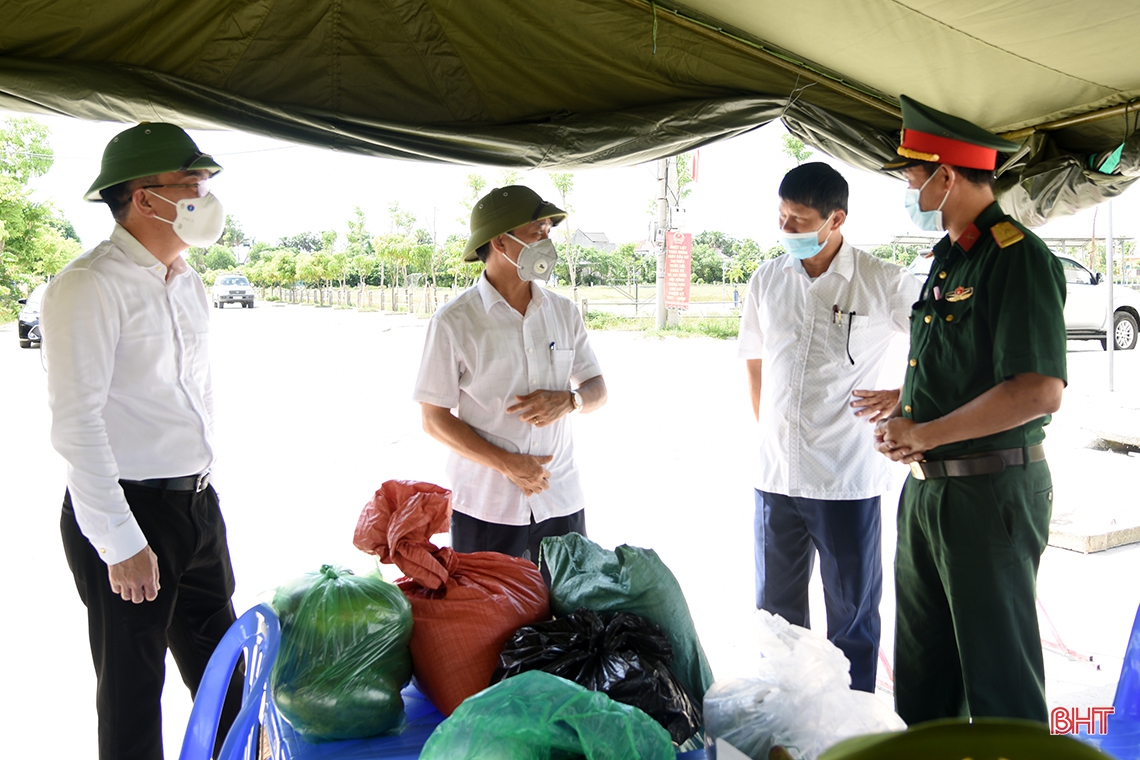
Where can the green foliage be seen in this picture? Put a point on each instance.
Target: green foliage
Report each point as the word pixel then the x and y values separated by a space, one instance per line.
pixel 36 241
pixel 304 242
pixel 232 233
pixel 24 149
pixel 259 248
pixel 220 257
pixel 795 149
pixel 902 255
pixel 708 265
pixel 684 176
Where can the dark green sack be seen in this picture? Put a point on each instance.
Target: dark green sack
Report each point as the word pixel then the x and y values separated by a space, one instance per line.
pixel 344 655
pixel 537 716
pixel 629 579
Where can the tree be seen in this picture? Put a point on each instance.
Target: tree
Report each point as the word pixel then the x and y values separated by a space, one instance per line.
pixel 220 258
pixel 707 264
pixel 25 152
pixel 795 149
pixel 684 176
pixel 232 233
pixel 564 184
pixel 36 241
pixel 196 258
pixel 307 242
pixel 258 250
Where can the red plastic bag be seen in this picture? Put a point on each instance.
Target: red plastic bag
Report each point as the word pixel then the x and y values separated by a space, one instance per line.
pixel 464 606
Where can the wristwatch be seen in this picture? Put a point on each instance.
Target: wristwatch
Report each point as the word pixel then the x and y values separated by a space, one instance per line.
pixel 576 400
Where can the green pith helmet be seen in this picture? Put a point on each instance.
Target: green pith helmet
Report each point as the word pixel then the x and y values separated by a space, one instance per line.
pixel 146 150
pixel 504 209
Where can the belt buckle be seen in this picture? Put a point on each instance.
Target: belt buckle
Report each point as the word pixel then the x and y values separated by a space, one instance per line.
pixel 202 481
pixel 916 471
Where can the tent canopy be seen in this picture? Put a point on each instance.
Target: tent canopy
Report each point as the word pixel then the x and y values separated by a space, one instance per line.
pixel 563 84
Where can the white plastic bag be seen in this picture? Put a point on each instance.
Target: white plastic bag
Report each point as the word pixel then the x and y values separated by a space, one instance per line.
pixel 800 700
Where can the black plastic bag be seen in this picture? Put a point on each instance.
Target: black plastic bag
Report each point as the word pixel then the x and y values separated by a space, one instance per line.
pixel 620 654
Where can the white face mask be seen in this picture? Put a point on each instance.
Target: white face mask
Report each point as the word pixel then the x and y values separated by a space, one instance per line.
pixel 199 221
pixel 536 260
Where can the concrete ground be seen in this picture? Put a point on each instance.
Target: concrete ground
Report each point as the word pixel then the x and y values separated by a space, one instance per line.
pixel 313 414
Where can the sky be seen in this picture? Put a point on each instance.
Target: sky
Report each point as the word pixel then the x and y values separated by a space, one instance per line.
pixel 275 189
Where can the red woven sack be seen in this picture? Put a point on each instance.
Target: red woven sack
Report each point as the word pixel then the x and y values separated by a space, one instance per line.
pixel 464 606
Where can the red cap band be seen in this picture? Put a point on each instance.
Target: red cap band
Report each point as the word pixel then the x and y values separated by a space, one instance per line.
pixel 950 151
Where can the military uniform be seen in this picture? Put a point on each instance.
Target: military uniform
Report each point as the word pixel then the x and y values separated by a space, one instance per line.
pixel 969 547
pixel 974 515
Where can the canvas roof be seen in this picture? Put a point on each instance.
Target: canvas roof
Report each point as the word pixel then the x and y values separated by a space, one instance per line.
pixel 564 84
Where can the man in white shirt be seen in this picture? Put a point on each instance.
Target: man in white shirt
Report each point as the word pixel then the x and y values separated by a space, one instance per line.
pixel 125 341
pixel 815 327
pixel 504 365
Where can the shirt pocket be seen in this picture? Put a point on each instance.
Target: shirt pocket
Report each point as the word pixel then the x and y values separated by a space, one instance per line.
pixel 561 364
pixel 857 339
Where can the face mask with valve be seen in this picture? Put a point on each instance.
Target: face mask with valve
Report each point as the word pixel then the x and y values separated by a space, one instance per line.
pixel 536 260
pixel 804 245
pixel 931 221
pixel 198 222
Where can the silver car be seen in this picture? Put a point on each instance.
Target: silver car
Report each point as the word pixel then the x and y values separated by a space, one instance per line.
pixel 232 288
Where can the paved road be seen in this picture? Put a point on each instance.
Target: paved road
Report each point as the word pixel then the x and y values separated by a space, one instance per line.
pixel 313 415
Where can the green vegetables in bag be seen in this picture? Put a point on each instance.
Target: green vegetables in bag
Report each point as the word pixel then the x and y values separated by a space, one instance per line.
pixel 344 655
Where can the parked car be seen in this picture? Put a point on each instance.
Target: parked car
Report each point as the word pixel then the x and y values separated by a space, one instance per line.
pixel 28 326
pixel 1085 304
pixel 232 288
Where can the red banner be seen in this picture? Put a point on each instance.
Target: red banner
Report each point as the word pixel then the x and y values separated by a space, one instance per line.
pixel 678 269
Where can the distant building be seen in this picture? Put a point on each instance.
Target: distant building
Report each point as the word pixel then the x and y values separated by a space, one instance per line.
pixel 597 240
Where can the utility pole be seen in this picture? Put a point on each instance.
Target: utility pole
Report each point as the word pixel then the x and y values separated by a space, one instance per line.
pixel 659 237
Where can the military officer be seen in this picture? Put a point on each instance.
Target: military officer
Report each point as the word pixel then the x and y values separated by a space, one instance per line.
pixel 986 371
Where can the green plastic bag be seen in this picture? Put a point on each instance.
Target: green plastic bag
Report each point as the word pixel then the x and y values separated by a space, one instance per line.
pixel 629 579
pixel 344 655
pixel 539 716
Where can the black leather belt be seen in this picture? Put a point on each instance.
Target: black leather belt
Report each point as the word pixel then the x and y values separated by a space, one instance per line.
pixel 195 483
pixel 986 463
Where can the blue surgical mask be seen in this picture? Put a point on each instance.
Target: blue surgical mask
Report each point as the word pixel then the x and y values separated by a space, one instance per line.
pixel 931 221
pixel 804 245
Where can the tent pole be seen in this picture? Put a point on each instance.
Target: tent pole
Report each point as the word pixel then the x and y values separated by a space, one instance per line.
pixel 1110 326
pixel 659 237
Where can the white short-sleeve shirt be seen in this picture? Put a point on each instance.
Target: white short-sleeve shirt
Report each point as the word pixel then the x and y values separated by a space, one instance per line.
pixel 478 355
pixel 819 341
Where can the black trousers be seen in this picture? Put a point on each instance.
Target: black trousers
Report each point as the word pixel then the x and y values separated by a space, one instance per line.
pixel 190 615
pixel 470 534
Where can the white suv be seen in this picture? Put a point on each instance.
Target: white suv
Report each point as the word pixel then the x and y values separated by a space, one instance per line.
pixel 1085 312
pixel 232 288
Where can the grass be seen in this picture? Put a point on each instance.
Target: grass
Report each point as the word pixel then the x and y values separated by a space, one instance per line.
pixel 723 328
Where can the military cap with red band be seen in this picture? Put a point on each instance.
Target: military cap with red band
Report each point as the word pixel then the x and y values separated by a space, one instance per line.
pixel 931 136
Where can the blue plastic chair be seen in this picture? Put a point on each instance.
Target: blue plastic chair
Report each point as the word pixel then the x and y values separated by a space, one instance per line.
pixel 258 634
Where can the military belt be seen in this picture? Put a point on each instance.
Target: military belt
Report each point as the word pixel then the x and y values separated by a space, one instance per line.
pixel 985 463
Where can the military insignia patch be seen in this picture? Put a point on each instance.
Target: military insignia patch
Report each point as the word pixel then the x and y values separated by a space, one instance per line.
pixel 1005 234
pixel 959 294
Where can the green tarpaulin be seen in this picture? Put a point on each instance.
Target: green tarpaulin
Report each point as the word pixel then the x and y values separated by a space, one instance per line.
pixel 568 83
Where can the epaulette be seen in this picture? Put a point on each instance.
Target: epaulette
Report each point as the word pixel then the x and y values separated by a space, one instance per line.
pixel 1005 234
